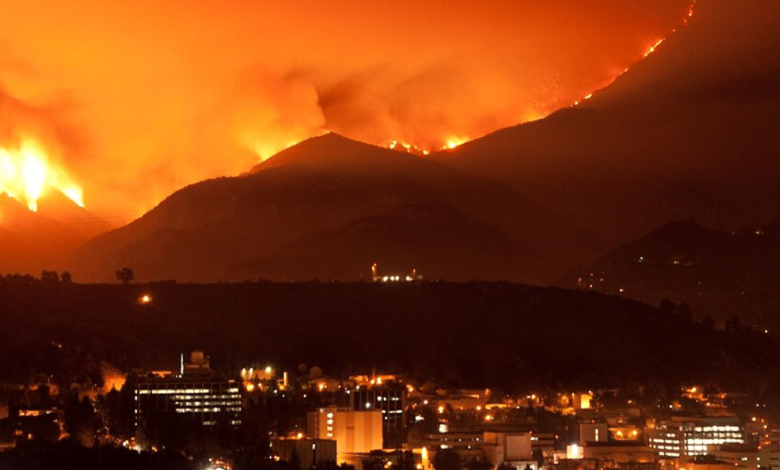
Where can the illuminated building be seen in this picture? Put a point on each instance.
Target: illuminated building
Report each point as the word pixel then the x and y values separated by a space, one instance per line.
pixel 744 457
pixel 582 401
pixel 687 437
pixel 355 432
pixel 511 449
pixel 620 453
pixel 195 392
pixel 309 451
pixel 599 431
pixel 412 276
pixel 387 396
pixel 468 443
pixel 593 432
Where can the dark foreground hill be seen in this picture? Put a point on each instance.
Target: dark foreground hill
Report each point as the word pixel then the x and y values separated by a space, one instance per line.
pixel 473 334
pixel 329 208
pixel 720 274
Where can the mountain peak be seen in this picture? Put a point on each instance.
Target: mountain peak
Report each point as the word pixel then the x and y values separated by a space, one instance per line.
pixel 682 225
pixel 330 148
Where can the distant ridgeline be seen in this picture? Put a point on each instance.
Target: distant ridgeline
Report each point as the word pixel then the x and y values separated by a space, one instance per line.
pixel 730 277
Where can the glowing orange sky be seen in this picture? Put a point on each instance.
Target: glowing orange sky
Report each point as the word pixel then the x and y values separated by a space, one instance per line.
pixel 142 97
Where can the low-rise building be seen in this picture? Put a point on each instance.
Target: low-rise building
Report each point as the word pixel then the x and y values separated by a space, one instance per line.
pixel 746 457
pixel 308 451
pixel 509 449
pixel 620 453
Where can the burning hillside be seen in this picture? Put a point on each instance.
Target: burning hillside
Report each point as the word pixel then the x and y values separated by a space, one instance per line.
pixel 26 172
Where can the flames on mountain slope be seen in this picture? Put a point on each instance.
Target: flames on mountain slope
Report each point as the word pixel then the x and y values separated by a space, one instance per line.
pixel 26 171
pixel 650 51
pixel 405 147
pixel 166 98
pixel 451 142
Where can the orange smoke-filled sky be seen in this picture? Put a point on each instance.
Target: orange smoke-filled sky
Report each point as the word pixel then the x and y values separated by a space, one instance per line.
pixel 139 98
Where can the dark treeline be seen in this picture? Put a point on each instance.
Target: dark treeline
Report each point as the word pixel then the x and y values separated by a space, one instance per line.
pixel 473 334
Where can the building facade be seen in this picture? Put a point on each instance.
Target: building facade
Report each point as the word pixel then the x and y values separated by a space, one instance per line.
pixel 689 437
pixel 355 432
pixel 387 397
pixel 195 393
pixel 307 451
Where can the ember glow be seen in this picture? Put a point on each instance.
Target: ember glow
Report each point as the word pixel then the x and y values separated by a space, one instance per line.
pixel 165 96
pixel 25 172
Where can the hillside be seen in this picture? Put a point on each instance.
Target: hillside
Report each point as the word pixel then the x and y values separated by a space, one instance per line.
pixel 720 274
pixel 330 207
pixel 687 131
pixel 31 242
pixel 472 334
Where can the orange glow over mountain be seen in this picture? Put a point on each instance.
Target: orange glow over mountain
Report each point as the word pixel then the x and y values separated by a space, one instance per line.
pixel 145 97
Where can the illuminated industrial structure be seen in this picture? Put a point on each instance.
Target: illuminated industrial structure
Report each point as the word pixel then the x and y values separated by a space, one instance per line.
pixel 376 277
pixel 355 432
pixel 195 392
pixel 688 437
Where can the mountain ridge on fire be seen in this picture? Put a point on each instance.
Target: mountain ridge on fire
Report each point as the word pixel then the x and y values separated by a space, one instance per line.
pixel 687 131
pixel 690 130
pixel 331 207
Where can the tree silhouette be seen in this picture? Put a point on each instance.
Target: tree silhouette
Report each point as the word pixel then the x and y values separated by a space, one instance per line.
pixel 684 310
pixel 733 324
pixel 446 459
pixel 125 275
pixel 50 277
pixel 667 305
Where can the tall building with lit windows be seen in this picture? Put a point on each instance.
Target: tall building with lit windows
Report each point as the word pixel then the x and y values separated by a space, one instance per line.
pixel 389 397
pixel 355 432
pixel 688 437
pixel 195 393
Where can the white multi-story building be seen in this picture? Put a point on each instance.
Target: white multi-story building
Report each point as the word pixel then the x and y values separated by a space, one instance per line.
pixel 688 437
pixel 195 392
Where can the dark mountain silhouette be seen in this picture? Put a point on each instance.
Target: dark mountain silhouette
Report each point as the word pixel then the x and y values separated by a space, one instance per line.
pixel 719 274
pixel 329 207
pixel 449 243
pixel 691 130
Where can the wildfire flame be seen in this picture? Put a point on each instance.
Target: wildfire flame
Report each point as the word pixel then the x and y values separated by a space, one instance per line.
pixel 452 142
pixel 448 144
pixel 650 50
pixel 25 172
pixel 455 141
pixel 405 147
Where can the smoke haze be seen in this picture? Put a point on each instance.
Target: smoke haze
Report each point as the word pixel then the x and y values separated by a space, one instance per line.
pixel 139 98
